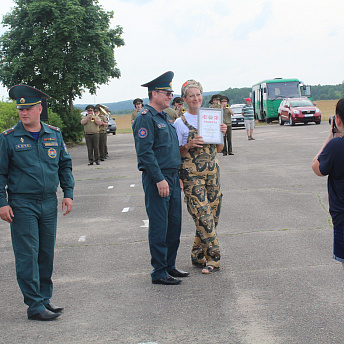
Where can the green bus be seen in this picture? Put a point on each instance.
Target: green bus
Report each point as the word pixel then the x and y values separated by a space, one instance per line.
pixel 268 94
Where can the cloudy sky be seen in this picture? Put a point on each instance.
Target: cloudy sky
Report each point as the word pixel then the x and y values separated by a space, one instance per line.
pixel 221 43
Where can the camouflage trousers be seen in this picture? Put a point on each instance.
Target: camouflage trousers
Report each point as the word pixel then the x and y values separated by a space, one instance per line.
pixel 203 198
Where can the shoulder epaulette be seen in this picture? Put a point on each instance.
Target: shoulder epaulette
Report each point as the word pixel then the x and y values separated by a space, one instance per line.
pixel 144 111
pixel 54 128
pixel 7 131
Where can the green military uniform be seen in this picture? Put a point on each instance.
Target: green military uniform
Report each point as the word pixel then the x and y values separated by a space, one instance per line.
pixel 134 113
pixel 103 138
pixel 91 130
pixel 227 138
pixel 158 156
pixel 200 174
pixel 171 113
pixel 32 170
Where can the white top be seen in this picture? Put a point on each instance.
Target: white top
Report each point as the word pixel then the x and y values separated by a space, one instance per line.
pixel 182 129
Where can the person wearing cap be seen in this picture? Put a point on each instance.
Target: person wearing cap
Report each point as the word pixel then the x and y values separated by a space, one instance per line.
pixel 172 113
pixel 91 124
pixel 158 156
pixel 101 113
pixel 215 101
pixel 178 105
pixel 248 113
pixel 34 161
pixel 227 119
pixel 201 180
pixel 138 103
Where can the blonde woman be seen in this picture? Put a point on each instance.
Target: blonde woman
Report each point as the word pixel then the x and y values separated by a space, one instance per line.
pixel 201 178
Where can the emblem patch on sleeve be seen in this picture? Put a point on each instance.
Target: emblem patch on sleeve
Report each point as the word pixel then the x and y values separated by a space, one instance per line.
pixel 142 133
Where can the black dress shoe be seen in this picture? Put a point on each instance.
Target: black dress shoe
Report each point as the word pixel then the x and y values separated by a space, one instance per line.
pixel 230 153
pixel 52 308
pixel 178 273
pixel 97 163
pixel 44 315
pixel 224 153
pixel 90 163
pixel 168 280
pixel 102 160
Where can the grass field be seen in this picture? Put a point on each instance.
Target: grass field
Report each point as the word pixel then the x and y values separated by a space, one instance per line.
pixel 327 108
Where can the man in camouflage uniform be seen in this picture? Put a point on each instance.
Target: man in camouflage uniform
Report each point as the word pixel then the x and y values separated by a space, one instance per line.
pixel 178 105
pixel 98 111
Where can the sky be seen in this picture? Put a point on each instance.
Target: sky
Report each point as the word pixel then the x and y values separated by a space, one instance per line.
pixel 221 43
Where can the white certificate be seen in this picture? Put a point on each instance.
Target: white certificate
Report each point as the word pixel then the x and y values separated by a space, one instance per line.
pixel 209 125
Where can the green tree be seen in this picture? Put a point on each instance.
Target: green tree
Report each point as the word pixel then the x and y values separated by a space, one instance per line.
pixel 62 47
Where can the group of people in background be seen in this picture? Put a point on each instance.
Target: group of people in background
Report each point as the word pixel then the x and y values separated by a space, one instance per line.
pixel 95 128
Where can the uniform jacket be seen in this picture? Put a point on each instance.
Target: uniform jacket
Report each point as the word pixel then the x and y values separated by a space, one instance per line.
pixel 32 169
pixel 156 143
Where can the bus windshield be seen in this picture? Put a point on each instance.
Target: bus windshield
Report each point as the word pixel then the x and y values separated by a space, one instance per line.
pixel 280 90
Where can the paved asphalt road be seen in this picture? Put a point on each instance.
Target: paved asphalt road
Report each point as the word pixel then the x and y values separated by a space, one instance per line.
pixel 278 282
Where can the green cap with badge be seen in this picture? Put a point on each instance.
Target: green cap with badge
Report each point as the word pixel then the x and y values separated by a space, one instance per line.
pixel 162 82
pixel 26 96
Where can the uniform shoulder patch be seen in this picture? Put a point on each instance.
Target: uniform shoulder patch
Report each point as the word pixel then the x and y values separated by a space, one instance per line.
pixel 144 111
pixel 142 133
pixel 7 131
pixel 54 128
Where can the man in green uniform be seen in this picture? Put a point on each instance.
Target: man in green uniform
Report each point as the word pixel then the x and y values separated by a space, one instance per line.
pixel 138 103
pixel 158 158
pixel 227 119
pixel 178 105
pixel 33 161
pixel 98 111
pixel 215 101
pixel 91 124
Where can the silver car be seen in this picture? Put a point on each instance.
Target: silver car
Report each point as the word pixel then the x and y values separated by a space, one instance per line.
pixel 237 118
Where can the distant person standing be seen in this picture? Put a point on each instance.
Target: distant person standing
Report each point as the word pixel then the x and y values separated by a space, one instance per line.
pixel 98 111
pixel 138 103
pixel 34 161
pixel 215 101
pixel 178 105
pixel 91 124
pixel 227 119
pixel 172 113
pixel 158 156
pixel 248 113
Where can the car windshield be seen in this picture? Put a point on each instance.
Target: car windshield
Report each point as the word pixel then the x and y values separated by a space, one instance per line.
pixel 279 90
pixel 300 103
pixel 237 110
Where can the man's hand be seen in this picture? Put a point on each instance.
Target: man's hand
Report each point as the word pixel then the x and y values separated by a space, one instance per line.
pixel 6 213
pixel 67 202
pixel 163 188
pixel 181 185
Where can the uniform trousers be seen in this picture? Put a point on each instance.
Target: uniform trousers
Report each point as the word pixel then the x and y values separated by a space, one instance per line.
pixel 92 143
pixel 165 221
pixel 33 233
pixel 102 145
pixel 227 140
pixel 203 198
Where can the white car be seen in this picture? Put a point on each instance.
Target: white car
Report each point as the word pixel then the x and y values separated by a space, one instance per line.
pixel 237 118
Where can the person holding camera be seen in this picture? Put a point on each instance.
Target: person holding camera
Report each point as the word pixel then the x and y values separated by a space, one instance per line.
pixel 330 162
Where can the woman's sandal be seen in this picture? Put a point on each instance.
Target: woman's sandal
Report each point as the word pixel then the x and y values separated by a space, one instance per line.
pixel 209 269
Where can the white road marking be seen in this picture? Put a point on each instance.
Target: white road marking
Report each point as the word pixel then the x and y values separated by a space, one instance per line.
pixel 125 210
pixel 110 187
pixel 82 238
pixel 145 224
pixel 132 185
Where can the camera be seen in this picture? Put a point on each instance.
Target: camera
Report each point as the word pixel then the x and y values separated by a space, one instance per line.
pixel 334 126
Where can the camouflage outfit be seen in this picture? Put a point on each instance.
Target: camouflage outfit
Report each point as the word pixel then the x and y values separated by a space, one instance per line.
pixel 201 177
